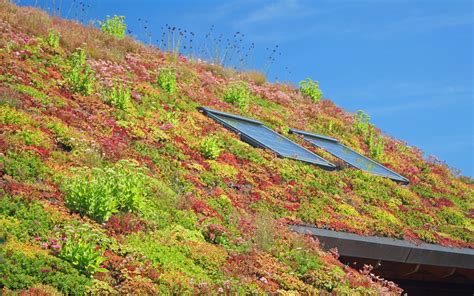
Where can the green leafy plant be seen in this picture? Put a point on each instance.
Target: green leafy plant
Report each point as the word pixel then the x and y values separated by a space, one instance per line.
pixel 237 93
pixel 80 249
pixel 167 80
pixel 376 144
pixel 328 278
pixel 79 76
pixel 118 95
pixel 114 26
pixel 53 39
pixel 311 89
pixel 363 127
pixel 210 147
pixel 361 123
pixel 100 192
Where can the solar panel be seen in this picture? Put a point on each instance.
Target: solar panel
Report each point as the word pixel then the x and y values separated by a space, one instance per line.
pixel 258 135
pixel 348 155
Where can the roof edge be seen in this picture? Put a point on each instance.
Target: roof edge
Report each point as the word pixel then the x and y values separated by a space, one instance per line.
pixel 388 249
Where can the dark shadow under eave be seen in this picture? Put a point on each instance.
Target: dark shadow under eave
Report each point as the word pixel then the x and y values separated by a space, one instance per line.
pixel 423 269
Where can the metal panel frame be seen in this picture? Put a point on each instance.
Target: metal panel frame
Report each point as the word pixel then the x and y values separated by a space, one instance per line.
pixel 305 134
pixel 383 248
pixel 256 143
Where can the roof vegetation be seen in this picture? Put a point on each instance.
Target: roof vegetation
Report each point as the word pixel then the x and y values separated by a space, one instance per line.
pixel 111 180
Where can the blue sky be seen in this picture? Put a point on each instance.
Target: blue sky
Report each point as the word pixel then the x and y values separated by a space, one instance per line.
pixel 408 64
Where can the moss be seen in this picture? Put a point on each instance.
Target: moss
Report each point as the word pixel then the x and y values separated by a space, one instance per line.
pixel 30 137
pixel 171 248
pixel 314 210
pixel 23 166
pixel 201 221
pixel 416 218
pixel 211 180
pixel 327 278
pixel 9 115
pixel 24 219
pixel 243 150
pixel 24 267
pixel 453 217
pixel 347 210
pixel 223 170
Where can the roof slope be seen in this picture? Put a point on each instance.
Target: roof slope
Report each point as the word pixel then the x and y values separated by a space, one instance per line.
pixel 166 199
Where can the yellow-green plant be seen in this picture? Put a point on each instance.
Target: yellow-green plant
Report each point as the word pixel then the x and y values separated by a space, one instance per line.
pixel 311 89
pixel 118 95
pixel 53 39
pixel 363 127
pixel 114 26
pixel 80 249
pixel 167 80
pixel 101 192
pixel 210 147
pixel 376 144
pixel 361 123
pixel 79 75
pixel 237 93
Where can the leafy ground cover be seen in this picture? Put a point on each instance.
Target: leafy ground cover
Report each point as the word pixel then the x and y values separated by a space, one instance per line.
pixel 112 182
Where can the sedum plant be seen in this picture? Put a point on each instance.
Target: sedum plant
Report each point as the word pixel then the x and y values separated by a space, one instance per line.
pixel 20 269
pixel 101 192
pixel 23 166
pixel 237 93
pixel 80 249
pixel 114 26
pixel 80 76
pixel 210 148
pixel 311 89
pixel 167 80
pixel 363 127
pixel 118 95
pixel 376 145
pixel 53 39
pixel 361 123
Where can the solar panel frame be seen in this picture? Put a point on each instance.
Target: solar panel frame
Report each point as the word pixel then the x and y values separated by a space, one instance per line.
pixel 214 114
pixel 398 178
